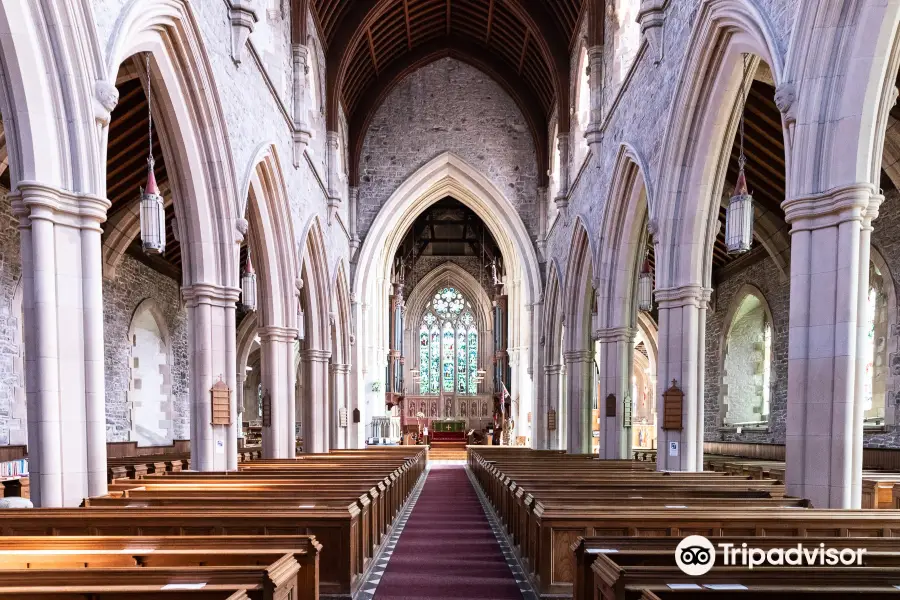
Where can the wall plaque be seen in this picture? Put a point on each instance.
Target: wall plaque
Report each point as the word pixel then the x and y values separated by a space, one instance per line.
pixel 611 405
pixel 356 415
pixel 673 398
pixel 221 403
pixel 551 420
pixel 267 409
pixel 342 416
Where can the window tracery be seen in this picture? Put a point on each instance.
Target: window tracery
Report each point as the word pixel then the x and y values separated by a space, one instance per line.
pixel 448 345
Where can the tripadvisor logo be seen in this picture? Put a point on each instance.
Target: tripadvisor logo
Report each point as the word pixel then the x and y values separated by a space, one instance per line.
pixel 695 555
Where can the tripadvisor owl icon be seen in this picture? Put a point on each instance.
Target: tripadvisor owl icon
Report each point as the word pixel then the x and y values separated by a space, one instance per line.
pixel 695 555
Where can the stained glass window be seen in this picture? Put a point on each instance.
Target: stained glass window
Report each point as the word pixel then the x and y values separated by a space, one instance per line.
pixel 448 345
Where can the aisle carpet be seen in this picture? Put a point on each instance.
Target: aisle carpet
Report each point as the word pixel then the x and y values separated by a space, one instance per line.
pixel 447 549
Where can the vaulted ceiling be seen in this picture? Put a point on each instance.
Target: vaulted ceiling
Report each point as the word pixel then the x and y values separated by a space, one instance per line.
pixel 371 45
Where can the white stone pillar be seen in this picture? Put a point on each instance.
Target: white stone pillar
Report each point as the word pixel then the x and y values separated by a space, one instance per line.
pixel 615 349
pixel 94 359
pixel 317 410
pixel 682 324
pixel 340 380
pixel 241 380
pixel 539 404
pixel 212 356
pixel 278 379
pixel 552 374
pixel 578 381
pixel 62 302
pixel 829 283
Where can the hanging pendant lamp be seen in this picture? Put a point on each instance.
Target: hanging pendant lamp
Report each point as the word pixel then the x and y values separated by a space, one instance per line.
pixel 152 213
pixel 248 286
pixel 739 214
pixel 645 286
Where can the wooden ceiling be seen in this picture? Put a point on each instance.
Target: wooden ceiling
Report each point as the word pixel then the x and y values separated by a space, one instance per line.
pixel 126 170
pixel 372 44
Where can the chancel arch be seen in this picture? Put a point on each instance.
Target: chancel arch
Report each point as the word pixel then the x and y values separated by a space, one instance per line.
pixel 447 175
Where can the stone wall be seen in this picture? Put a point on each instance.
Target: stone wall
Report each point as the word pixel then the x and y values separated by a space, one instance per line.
pixel 448 106
pixel 426 264
pixel 13 422
pixel 134 283
pixel 764 276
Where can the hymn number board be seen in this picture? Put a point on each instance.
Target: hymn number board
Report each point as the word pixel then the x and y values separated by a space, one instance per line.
pixel 221 403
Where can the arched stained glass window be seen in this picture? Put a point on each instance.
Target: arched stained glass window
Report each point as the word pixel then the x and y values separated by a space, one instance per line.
pixel 448 345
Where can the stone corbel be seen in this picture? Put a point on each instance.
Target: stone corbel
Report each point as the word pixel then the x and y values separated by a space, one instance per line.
pixel 106 97
pixel 652 17
pixel 243 20
pixel 785 100
pixel 332 146
pixel 593 133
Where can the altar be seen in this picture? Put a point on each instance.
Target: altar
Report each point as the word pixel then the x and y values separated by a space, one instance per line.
pixel 448 433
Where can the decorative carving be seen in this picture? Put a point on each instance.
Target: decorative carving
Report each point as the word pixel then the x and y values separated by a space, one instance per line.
pixel 243 21
pixel 673 399
pixel 652 17
pixel 785 97
pixel 653 228
pixel 107 97
pixel 242 225
pixel 176 233
pixel 221 403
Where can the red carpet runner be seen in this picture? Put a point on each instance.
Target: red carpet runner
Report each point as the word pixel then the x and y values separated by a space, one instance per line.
pixel 447 549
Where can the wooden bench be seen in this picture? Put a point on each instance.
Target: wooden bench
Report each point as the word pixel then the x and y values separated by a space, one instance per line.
pixel 586 550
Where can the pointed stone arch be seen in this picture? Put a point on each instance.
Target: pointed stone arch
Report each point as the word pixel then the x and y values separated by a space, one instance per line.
pixel 550 394
pixel 315 348
pixel 578 351
pixel 704 118
pixel 346 436
pixel 445 175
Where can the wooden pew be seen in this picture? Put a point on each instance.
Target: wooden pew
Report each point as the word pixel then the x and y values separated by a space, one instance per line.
pixel 626 575
pixel 586 550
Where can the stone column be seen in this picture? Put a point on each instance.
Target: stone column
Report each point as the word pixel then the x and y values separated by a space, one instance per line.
pixel 353 218
pixel 278 379
pixel 829 283
pixel 212 355
pixel 64 352
pixel 316 410
pixel 682 327
pixel 593 134
pixel 562 195
pixel 340 382
pixel 543 215
pixel 539 406
pixel 615 355
pixel 332 153
pixel 579 394
pixel 552 375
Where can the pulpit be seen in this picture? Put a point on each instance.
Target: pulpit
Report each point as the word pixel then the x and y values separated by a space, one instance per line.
pixel 448 433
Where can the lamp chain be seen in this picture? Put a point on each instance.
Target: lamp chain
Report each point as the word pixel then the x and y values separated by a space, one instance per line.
pixel 742 159
pixel 149 110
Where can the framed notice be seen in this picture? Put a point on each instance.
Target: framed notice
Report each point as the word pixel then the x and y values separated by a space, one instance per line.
pixel 221 403
pixel 267 409
pixel 551 420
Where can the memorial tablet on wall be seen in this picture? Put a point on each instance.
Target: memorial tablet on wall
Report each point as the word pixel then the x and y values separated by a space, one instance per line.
pixel 267 409
pixel 551 420
pixel 611 405
pixel 221 403
pixel 673 398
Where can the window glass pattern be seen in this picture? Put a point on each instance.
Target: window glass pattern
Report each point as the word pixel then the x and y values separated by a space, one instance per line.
pixel 448 345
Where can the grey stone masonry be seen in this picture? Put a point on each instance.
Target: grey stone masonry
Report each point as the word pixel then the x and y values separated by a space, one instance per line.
pixel 448 106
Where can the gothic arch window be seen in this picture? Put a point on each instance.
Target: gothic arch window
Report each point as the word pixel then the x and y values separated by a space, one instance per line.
pixel 627 37
pixel 875 351
pixel 448 345
pixel 746 374
pixel 150 388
